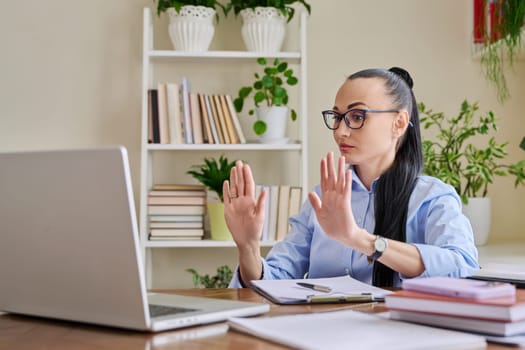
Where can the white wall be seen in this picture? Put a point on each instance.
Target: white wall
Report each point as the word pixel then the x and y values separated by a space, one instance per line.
pixel 70 76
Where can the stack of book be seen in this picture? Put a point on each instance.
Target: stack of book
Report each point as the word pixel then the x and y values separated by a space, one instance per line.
pixel 177 115
pixel 176 212
pixel 494 316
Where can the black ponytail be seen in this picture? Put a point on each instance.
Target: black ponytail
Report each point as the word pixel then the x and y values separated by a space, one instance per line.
pixel 395 186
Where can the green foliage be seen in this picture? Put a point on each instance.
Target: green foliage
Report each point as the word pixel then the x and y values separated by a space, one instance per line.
pixel 284 6
pixel 212 173
pixel 220 280
pixel 494 53
pixel 268 88
pixel 454 159
pixel 164 5
pixel 522 144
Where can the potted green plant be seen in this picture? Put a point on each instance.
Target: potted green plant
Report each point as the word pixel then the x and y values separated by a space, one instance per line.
pixel 220 280
pixel 452 157
pixel 501 41
pixel 264 21
pixel 269 90
pixel 191 25
pixel 212 173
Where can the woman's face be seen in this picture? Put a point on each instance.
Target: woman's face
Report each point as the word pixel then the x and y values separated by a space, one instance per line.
pixel 374 145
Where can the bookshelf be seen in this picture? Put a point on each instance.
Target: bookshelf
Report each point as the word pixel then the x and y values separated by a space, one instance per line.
pixel 290 159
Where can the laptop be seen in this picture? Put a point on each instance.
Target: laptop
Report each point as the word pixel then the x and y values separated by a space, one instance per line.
pixel 70 250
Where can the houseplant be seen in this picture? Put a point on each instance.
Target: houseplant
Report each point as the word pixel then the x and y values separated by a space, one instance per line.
pixel 191 25
pixel 454 158
pixel 220 280
pixel 501 40
pixel 269 89
pixel 264 22
pixel 212 173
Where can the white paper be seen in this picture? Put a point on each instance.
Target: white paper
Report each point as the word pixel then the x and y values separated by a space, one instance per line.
pixel 349 329
pixel 288 290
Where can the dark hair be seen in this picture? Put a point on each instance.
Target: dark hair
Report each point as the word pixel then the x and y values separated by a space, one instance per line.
pixel 395 186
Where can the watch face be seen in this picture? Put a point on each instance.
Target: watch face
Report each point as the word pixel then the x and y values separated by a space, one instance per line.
pixel 380 244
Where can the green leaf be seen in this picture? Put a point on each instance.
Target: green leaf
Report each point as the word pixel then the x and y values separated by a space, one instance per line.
pixel 259 127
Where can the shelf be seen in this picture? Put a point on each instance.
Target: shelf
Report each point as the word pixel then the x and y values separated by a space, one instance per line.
pixel 206 243
pixel 165 54
pixel 226 147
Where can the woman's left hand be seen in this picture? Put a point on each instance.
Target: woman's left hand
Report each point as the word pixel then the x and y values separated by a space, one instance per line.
pixel 334 211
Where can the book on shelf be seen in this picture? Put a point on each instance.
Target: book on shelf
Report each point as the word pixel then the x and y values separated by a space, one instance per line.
pixel 186 232
pixel 228 120
pixel 218 123
pixel 235 119
pixel 294 206
pixel 176 200
pixel 177 193
pixel 207 135
pixel 215 130
pixel 174 113
pixel 176 218
pixel 196 125
pixel 176 187
pixel 186 110
pixel 506 309
pixel 163 113
pixel 150 119
pixel 273 197
pixel 498 328
pixel 282 212
pixel 154 114
pixel 177 224
pixel 176 209
pixel 222 119
pixel 174 238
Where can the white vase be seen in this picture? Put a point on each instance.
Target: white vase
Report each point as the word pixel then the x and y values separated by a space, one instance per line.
pixel 478 211
pixel 276 119
pixel 263 29
pixel 192 28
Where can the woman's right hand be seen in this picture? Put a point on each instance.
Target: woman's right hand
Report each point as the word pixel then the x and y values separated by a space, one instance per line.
pixel 244 213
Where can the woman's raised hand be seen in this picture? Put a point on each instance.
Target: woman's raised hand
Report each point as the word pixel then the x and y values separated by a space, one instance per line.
pixel 244 213
pixel 333 210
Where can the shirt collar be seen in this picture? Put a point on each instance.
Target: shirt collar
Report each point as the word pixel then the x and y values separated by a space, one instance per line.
pixel 357 184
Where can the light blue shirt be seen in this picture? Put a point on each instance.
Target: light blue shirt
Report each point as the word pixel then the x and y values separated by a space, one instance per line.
pixel 435 226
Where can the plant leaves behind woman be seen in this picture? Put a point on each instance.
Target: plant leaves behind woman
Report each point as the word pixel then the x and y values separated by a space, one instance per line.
pixel 220 280
pixel 454 159
pixel 213 173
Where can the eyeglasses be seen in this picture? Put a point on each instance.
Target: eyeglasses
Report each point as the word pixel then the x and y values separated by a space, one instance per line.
pixel 354 118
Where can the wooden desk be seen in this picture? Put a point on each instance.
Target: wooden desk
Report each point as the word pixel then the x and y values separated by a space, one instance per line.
pixel 19 332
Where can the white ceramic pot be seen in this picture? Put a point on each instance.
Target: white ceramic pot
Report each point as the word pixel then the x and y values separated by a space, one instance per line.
pixel 192 28
pixel 478 211
pixel 276 119
pixel 263 29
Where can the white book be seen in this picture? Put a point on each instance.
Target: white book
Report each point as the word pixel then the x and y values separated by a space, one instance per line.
pixel 186 110
pixel 282 212
pixel 163 113
pixel 235 119
pixel 196 119
pixel 174 113
pixel 273 198
pixel 294 206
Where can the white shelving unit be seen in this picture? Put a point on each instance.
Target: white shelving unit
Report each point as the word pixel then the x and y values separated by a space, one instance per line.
pixel 177 60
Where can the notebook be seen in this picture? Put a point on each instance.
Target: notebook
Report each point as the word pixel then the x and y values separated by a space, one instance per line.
pixel 69 245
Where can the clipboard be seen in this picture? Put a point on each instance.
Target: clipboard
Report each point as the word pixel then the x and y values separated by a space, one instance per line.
pixel 345 289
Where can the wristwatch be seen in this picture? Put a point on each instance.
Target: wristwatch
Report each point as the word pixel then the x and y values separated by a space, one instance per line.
pixel 380 245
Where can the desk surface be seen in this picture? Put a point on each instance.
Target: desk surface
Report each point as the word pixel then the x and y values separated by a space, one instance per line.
pixel 18 332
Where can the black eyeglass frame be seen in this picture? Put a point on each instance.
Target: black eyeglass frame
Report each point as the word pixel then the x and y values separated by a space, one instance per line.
pixel 347 122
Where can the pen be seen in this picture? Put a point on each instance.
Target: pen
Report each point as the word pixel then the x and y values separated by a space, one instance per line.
pixel 316 287
pixel 359 298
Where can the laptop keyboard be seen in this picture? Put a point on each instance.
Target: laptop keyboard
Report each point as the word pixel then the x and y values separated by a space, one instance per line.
pixel 163 310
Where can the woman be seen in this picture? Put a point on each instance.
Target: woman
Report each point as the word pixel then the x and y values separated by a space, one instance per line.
pixel 378 220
